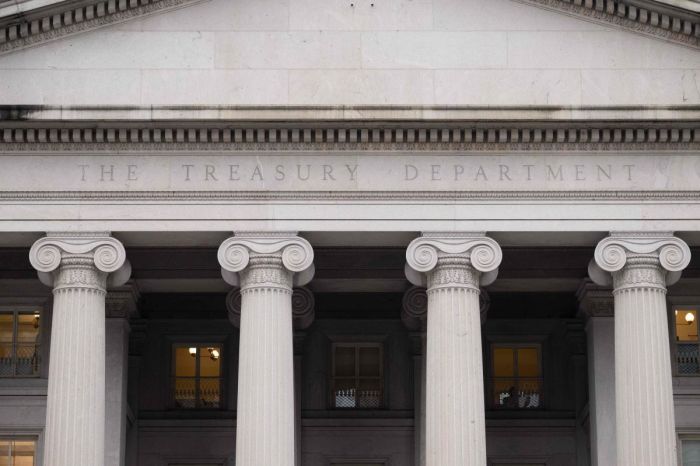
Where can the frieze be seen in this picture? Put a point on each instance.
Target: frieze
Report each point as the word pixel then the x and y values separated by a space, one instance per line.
pixel 350 172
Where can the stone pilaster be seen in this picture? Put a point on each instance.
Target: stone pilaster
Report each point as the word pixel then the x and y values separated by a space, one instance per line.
pixel 79 267
pixel 121 305
pixel 596 306
pixel 640 266
pixel 453 266
pixel 266 266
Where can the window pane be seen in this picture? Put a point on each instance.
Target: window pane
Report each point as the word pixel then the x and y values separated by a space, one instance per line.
pixel 691 452
pixel 344 361
pixel 209 393
pixel 369 393
pixel 27 346
pixel 686 325
pixel 6 331
pixel 344 393
pixel 4 453
pixel 185 393
pixel 369 362
pixel 528 362
pixel 503 362
pixel 210 361
pixel 23 453
pixel 185 362
pixel 505 393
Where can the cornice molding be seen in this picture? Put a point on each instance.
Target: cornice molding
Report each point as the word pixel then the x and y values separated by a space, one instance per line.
pixel 68 18
pixel 647 17
pixel 203 136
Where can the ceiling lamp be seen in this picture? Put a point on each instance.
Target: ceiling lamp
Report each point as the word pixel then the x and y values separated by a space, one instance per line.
pixel 690 318
pixel 214 353
pixel 193 352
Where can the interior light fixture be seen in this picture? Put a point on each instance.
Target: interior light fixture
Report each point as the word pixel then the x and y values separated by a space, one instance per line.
pixel 36 320
pixel 214 353
pixel 690 318
pixel 193 352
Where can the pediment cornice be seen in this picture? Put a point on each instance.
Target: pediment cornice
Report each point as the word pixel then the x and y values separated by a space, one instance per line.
pixel 32 22
pixel 672 20
pixel 43 129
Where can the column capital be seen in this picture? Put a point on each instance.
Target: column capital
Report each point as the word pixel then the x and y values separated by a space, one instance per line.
pixel 98 250
pixel 477 250
pixel 303 307
pixel 295 253
pixel 595 300
pixel 660 250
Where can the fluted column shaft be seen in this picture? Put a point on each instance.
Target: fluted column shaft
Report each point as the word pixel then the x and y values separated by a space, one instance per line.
pixel 265 266
pixel 266 370
pixel 455 418
pixel 454 372
pixel 640 266
pixel 75 419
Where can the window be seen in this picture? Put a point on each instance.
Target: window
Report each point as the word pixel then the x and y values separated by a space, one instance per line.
pixel 19 344
pixel 197 377
pixel 17 452
pixel 690 452
pixel 516 381
pixel 687 344
pixel 357 375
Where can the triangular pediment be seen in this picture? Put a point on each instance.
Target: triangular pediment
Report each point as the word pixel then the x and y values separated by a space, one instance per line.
pixel 25 23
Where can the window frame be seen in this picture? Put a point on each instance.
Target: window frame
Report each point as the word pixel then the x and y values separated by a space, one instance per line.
pixel 685 436
pixel 357 378
pixel 21 437
pixel 493 344
pixel 174 345
pixel 15 311
pixel 678 306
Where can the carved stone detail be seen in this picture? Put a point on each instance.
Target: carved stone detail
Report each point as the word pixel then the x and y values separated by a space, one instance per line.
pixel 640 16
pixel 84 260
pixel 121 302
pixel 456 259
pixel 266 259
pixel 595 300
pixel 55 23
pixel 639 259
pixel 303 307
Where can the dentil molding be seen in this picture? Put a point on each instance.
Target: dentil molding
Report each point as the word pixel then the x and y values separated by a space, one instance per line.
pixel 657 19
pixel 67 18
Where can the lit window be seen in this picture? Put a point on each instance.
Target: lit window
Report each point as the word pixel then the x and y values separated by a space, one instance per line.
pixel 197 376
pixel 516 376
pixel 687 347
pixel 17 452
pixel 357 375
pixel 690 452
pixel 19 344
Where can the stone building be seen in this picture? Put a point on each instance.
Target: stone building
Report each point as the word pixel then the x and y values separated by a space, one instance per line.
pixel 349 232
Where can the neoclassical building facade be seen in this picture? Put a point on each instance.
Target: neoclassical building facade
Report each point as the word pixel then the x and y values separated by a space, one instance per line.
pixel 359 233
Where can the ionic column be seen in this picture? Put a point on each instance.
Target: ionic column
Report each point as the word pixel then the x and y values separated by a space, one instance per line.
pixel 642 265
pixel 596 307
pixel 302 316
pixel 453 266
pixel 78 267
pixel 266 266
